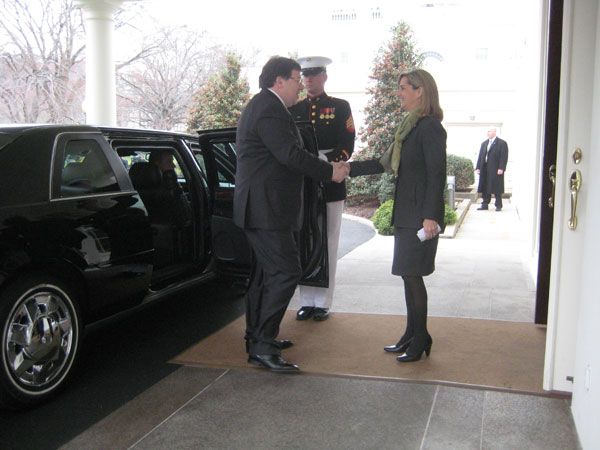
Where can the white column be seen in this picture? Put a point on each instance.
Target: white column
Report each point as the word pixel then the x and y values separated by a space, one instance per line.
pixel 100 103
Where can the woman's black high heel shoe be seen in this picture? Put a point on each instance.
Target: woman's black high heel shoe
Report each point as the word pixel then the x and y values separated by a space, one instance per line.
pixel 398 347
pixel 407 357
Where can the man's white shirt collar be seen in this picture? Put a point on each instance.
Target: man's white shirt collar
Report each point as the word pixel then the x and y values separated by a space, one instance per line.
pixel 277 95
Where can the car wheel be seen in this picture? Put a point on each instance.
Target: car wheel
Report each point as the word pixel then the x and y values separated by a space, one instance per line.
pixel 41 332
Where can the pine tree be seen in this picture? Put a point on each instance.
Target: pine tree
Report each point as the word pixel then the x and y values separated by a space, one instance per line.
pixel 382 113
pixel 219 103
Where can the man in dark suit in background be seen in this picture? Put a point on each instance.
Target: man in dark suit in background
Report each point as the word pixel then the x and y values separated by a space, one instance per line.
pixel 271 165
pixel 491 165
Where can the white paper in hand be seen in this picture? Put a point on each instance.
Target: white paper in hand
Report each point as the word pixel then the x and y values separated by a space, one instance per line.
pixel 421 233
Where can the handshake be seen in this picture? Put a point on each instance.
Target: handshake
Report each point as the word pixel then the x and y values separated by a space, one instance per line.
pixel 340 171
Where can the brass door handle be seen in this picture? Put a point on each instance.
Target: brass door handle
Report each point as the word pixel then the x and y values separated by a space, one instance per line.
pixel 574 186
pixel 552 176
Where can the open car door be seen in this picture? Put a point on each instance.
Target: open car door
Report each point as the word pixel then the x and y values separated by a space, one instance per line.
pixel 216 154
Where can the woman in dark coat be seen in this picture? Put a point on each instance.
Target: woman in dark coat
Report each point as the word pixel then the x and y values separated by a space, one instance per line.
pixel 418 159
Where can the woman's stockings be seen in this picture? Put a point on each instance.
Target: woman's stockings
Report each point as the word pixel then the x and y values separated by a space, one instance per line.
pixel 416 312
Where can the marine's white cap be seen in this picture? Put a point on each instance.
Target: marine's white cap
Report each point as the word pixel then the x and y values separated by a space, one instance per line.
pixel 312 65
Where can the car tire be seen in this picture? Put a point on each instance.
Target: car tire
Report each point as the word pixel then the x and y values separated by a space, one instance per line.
pixel 40 339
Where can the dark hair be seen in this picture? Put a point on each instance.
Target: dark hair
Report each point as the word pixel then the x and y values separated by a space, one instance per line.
pixel 277 66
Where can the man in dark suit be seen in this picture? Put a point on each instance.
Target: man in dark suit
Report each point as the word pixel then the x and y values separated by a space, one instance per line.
pixel 334 126
pixel 271 165
pixel 491 165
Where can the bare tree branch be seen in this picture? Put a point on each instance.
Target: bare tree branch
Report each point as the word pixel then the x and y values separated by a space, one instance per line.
pixel 156 90
pixel 41 65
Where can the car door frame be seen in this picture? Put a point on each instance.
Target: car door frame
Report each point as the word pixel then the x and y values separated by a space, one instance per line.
pixel 179 144
pixel 133 267
pixel 230 247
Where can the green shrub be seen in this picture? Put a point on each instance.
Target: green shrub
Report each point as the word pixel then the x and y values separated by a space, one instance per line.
pixel 450 216
pixel 382 219
pixel 381 186
pixel 462 169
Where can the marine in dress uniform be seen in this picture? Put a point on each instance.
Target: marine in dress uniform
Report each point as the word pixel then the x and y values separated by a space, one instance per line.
pixel 332 119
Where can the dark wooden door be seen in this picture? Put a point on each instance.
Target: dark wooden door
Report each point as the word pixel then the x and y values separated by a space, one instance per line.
pixel 549 159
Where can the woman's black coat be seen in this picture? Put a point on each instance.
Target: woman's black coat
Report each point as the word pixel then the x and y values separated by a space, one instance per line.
pixel 421 180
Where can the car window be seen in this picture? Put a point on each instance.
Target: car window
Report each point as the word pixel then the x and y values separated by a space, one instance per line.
pixel 225 157
pixel 130 155
pixel 199 157
pixel 85 169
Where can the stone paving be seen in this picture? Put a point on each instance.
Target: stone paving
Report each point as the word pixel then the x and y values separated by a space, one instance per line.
pixel 480 273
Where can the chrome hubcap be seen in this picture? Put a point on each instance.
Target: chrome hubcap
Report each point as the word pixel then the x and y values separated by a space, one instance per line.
pixel 39 338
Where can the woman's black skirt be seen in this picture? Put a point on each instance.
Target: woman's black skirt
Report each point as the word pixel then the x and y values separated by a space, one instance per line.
pixel 411 256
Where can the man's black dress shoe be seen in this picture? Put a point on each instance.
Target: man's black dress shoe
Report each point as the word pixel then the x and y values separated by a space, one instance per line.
pixel 498 209
pixel 482 208
pixel 321 314
pixel 305 313
pixel 283 343
pixel 280 344
pixel 274 363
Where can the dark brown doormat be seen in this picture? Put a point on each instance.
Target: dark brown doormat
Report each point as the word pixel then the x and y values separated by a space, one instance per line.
pixel 486 353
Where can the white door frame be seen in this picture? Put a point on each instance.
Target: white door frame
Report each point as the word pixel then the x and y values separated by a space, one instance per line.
pixel 575 106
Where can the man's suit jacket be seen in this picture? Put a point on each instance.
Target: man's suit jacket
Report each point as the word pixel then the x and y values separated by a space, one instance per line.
pixel 421 180
pixel 271 165
pixel 497 158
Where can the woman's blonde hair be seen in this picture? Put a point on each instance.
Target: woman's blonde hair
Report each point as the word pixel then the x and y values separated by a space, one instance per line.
pixel 430 99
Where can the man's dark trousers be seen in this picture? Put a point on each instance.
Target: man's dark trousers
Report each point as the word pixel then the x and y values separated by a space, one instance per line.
pixel 275 275
pixel 486 195
pixel 487 198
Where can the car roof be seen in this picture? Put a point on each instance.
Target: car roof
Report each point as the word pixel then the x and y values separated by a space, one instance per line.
pixel 138 132
pixel 19 129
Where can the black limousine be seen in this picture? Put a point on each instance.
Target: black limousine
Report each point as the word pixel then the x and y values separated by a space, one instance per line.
pixel 91 227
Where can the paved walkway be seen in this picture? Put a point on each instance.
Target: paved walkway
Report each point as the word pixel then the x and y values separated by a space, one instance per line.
pixel 479 274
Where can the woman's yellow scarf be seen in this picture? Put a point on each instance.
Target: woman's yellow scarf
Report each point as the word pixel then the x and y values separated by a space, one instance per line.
pixel 391 158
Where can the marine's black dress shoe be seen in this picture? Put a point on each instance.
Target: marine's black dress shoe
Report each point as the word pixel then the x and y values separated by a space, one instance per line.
pixel 274 363
pixel 498 208
pixel 320 314
pixel 283 343
pixel 399 347
pixel 305 313
pixel 482 208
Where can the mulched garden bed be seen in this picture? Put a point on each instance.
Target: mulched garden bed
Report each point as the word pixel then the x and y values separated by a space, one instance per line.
pixel 361 207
